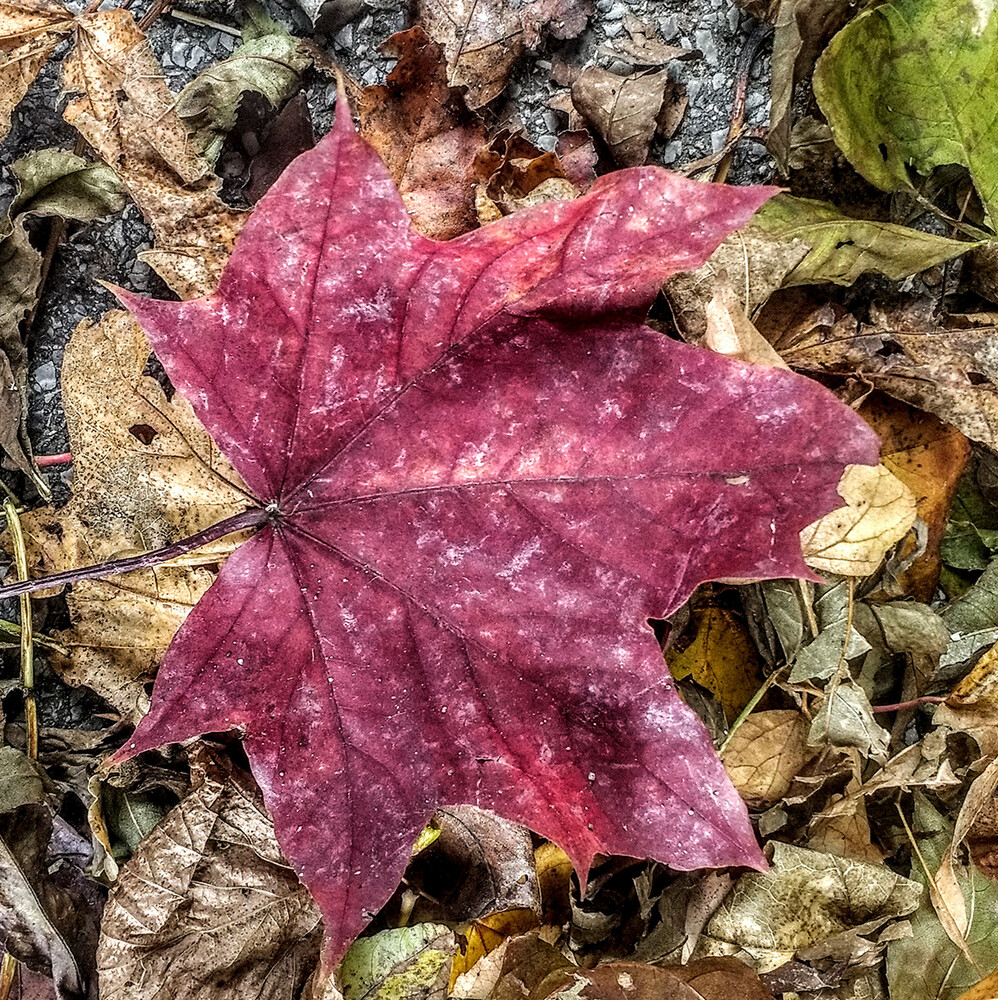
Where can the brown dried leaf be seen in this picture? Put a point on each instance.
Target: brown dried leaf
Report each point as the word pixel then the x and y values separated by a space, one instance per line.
pixel 479 864
pixel 853 540
pixel 766 753
pixel 136 454
pixel 719 978
pixel 29 31
pixel 517 969
pixel 624 110
pixel 482 40
pixel 928 457
pixel 951 373
pixel 426 136
pixel 209 904
pixel 126 112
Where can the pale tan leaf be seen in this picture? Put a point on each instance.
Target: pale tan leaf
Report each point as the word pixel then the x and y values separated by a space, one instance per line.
pixel 766 753
pixel 853 540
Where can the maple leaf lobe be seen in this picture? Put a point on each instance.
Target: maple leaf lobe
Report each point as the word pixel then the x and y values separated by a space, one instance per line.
pixel 489 475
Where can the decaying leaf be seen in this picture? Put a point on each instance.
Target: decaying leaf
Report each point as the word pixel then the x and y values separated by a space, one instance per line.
pixel 517 175
pixel 429 478
pixel 269 62
pixel 721 978
pixel 429 141
pixel 50 183
pixel 951 373
pixel 208 903
pixel 29 32
pixel 127 113
pixel 405 963
pixel 853 540
pixel 478 865
pixel 519 968
pixel 841 248
pixel 944 969
pixel 802 905
pixel 624 110
pixel 766 753
pixel 483 39
pixel 49 910
pixel 136 452
pixel 910 85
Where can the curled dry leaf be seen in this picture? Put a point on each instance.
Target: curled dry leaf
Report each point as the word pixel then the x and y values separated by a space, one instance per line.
pixel 624 110
pixel 128 114
pixel 478 865
pixel 805 899
pixel 29 32
pixel 428 139
pixel 269 62
pixel 208 903
pixel 766 753
pixel 853 540
pixel 483 39
pixel 951 373
pixel 136 452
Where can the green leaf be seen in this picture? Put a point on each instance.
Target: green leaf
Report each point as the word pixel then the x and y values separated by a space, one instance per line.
pixel 971 538
pixel 973 619
pixel 843 248
pixel 405 963
pixel 54 182
pixel 941 971
pixel 270 62
pixel 914 84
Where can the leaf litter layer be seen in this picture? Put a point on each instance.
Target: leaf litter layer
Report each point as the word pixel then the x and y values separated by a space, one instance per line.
pixel 481 475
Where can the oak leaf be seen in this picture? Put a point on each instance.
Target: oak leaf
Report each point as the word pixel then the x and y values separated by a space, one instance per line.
pixel 478 475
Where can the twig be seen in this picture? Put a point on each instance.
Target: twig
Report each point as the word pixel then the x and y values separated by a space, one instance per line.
pixel 901 706
pixel 27 647
pixel 45 460
pixel 253 518
pixel 744 67
pixel 749 709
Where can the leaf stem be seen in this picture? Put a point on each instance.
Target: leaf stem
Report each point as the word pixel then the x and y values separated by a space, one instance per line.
pixel 252 518
pixel 27 645
pixel 901 706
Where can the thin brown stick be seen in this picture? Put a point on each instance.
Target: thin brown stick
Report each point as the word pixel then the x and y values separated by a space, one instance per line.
pixel 253 518
pixel 901 706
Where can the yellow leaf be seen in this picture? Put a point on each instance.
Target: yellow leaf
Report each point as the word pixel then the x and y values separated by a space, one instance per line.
pixel 721 658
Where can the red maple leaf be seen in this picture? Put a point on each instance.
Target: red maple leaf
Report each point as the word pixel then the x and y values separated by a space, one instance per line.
pixel 483 475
